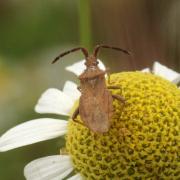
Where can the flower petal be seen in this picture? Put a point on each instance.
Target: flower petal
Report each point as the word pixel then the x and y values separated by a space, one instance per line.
pixel 79 67
pixel 70 89
pixel 177 80
pixel 54 167
pixel 146 70
pixel 54 101
pixel 166 73
pixel 76 177
pixel 32 132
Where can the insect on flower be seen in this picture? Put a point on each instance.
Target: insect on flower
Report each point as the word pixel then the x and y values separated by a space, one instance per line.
pixel 95 104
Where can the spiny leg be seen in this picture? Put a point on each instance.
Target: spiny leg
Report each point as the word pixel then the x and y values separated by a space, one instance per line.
pixel 74 116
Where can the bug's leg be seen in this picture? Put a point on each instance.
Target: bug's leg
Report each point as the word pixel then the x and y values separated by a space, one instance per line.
pixel 108 75
pixel 119 98
pixel 74 116
pixel 115 96
pixel 113 87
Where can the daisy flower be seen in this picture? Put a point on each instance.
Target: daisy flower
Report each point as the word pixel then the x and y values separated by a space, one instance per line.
pixel 81 143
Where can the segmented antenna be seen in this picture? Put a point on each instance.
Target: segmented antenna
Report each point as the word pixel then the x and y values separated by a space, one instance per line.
pixel 84 51
pixel 97 48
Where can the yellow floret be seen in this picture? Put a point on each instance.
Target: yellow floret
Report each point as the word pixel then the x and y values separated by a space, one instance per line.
pixel 144 139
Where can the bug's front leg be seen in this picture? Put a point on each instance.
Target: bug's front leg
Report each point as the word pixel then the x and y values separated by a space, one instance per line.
pixel 74 116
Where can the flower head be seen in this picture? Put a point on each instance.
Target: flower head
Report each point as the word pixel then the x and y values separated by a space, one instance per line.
pixel 142 141
pixel 143 137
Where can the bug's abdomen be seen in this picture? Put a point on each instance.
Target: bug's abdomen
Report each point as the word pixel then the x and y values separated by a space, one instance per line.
pixel 96 111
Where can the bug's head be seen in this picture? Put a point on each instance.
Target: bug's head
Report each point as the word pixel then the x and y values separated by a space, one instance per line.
pixel 91 61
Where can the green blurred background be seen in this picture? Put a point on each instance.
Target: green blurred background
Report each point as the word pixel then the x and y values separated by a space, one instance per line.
pixel 33 32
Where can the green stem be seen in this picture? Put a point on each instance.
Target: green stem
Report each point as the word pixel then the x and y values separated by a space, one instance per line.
pixel 85 31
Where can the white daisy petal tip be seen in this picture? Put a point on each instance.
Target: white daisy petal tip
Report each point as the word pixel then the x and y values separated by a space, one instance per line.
pixel 101 65
pixel 51 167
pixel 79 67
pixel 32 132
pixel 176 80
pixel 70 89
pixel 54 101
pixel 166 72
pixel 146 70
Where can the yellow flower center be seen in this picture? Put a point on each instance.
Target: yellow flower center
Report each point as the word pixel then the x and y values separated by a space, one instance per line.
pixel 144 139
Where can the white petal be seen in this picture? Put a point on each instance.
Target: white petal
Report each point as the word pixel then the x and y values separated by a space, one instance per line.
pixel 177 80
pixel 101 65
pixel 165 72
pixel 32 132
pixel 76 177
pixel 79 67
pixel 71 90
pixel 54 101
pixel 49 168
pixel 146 70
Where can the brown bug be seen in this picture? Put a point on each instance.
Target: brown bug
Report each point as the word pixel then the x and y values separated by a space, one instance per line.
pixel 95 104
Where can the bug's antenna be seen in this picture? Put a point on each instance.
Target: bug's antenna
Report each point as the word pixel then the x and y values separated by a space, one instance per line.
pixel 84 51
pixel 97 48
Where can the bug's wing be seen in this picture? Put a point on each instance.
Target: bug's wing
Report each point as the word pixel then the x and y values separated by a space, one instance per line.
pixel 107 104
pixel 94 112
